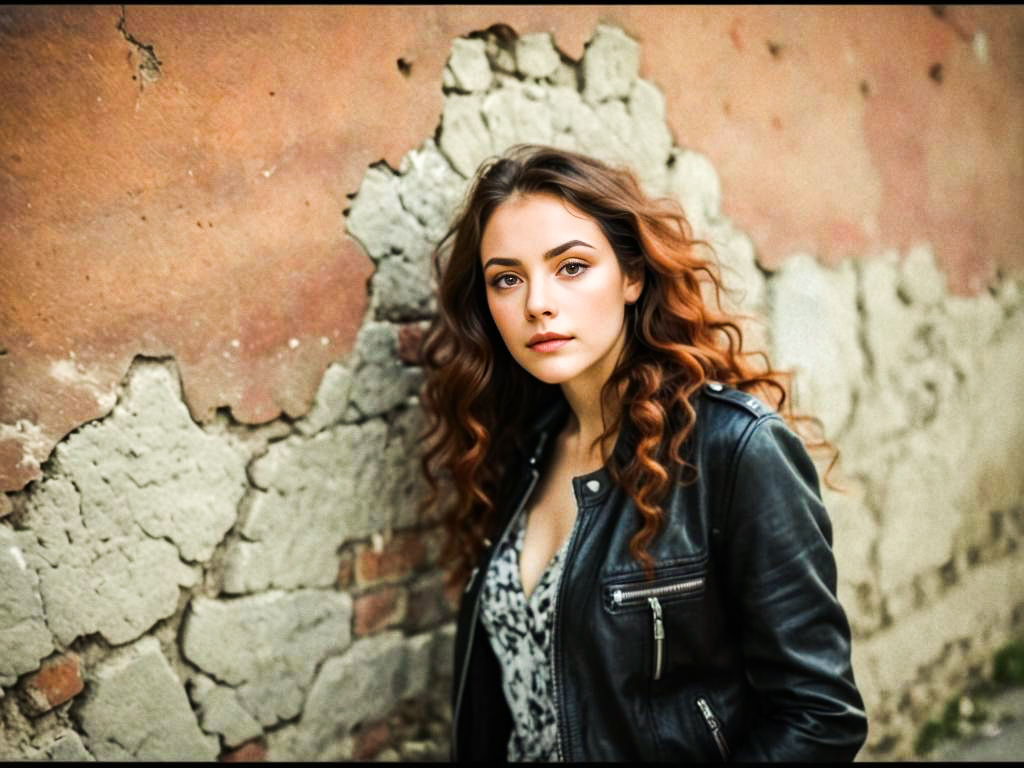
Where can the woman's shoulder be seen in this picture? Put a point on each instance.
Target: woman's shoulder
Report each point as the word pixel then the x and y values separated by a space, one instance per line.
pixel 726 413
pixel 731 423
pixel 732 399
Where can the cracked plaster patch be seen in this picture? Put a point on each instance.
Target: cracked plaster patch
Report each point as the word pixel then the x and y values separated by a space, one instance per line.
pixel 126 499
pixel 363 683
pixel 268 647
pixel 119 586
pixel 25 639
pixel 138 710
pixel 149 466
pixel 343 483
pixel 220 712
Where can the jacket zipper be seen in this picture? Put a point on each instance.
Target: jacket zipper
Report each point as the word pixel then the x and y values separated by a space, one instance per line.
pixel 621 595
pixel 715 726
pixel 534 474
pixel 659 635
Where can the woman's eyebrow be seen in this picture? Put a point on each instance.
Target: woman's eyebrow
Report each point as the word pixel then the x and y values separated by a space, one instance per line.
pixel 558 249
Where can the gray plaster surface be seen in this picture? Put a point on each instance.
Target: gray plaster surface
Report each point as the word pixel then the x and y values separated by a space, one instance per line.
pixel 267 647
pixel 67 747
pixel 361 684
pixel 24 637
pixel 137 710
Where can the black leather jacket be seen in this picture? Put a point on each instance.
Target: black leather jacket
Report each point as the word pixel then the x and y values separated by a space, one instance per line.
pixel 743 654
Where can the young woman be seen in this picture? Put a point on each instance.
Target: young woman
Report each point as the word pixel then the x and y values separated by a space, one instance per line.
pixel 647 562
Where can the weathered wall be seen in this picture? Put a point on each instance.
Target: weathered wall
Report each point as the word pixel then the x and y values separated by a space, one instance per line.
pixel 172 179
pixel 179 582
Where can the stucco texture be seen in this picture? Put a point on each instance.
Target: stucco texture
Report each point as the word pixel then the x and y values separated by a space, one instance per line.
pixel 173 180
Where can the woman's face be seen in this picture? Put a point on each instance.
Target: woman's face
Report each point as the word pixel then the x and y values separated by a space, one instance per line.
pixel 555 289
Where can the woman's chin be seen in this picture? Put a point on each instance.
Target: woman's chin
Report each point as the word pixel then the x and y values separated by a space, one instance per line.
pixel 549 374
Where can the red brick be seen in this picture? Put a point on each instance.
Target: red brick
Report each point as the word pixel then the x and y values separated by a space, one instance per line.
pixel 433 542
pixel 254 751
pixel 378 609
pixel 410 337
pixel 59 679
pixel 400 556
pixel 371 739
pixel 346 570
pixel 428 602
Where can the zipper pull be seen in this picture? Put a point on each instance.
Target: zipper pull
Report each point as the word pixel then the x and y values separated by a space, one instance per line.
pixel 472 578
pixel 715 726
pixel 659 635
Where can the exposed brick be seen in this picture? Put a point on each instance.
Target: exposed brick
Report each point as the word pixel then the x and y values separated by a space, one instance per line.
pixel 428 602
pixel 379 609
pixel 433 541
pixel 59 679
pixel 410 337
pixel 254 751
pixel 346 570
pixel 400 556
pixel 371 739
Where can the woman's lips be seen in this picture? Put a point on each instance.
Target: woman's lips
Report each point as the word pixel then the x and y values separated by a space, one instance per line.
pixel 549 344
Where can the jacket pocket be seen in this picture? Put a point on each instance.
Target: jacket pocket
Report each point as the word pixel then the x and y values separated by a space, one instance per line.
pixel 714 726
pixel 631 592
pixel 629 595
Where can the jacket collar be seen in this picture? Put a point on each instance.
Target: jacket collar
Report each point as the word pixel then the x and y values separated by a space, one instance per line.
pixel 552 418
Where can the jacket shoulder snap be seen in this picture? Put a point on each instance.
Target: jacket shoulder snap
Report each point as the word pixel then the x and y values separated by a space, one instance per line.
pixel 741 400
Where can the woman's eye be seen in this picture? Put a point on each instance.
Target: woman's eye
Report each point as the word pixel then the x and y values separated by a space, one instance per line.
pixel 574 268
pixel 505 281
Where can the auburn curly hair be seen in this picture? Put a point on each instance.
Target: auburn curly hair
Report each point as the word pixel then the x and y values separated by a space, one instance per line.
pixel 478 400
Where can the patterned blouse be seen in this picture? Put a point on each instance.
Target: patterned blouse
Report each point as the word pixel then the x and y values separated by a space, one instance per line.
pixel 520 634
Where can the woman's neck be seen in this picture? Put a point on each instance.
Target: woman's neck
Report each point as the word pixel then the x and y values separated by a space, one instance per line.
pixel 584 427
pixel 585 396
pixel 586 424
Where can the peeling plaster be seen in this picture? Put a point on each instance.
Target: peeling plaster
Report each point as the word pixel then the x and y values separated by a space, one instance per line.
pixel 268 153
pixel 924 357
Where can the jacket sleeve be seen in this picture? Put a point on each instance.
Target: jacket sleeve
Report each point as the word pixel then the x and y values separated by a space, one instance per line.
pixel 794 635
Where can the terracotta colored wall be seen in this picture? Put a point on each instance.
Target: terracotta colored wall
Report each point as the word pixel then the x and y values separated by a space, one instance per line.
pixel 193 207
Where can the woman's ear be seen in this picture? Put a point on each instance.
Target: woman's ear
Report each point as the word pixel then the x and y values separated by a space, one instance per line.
pixel 633 287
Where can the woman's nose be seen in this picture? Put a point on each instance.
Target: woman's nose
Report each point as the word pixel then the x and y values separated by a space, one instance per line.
pixel 539 302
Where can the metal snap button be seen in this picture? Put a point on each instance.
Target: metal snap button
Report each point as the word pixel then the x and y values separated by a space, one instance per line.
pixel 593 486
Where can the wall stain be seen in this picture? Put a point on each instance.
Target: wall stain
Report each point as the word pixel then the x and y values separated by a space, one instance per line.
pixel 149 66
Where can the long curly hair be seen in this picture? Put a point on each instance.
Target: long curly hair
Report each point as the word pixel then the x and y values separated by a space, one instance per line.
pixel 478 400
